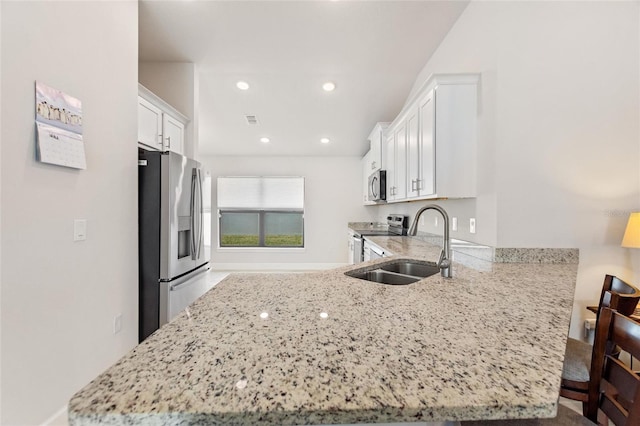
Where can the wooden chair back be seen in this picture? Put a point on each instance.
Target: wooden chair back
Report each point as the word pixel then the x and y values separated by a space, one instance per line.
pixel 614 389
pixel 617 294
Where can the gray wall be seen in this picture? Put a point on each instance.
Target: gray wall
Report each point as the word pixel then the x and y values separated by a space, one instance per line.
pixel 59 297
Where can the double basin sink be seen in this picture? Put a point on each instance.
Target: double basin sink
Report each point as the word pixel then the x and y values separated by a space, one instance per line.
pixel 397 272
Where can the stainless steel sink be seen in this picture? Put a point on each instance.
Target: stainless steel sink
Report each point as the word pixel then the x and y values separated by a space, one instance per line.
pixel 415 269
pixel 384 277
pixel 397 272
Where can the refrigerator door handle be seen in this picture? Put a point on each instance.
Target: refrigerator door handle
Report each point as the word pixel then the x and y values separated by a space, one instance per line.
pixel 201 240
pixel 191 214
pixel 196 212
pixel 196 217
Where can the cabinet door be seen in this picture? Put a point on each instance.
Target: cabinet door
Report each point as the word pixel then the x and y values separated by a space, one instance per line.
pixel 173 134
pixel 413 155
pixel 149 124
pixel 400 166
pixel 426 182
pixel 375 158
pixel 390 161
pixel 351 248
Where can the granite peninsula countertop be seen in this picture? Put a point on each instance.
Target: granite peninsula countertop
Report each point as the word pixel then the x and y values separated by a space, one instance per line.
pixel 486 344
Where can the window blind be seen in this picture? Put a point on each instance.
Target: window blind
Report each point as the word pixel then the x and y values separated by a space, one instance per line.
pixel 261 193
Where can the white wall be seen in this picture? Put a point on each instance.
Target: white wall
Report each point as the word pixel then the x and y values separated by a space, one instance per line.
pixel 59 298
pixel 332 198
pixel 177 84
pixel 558 129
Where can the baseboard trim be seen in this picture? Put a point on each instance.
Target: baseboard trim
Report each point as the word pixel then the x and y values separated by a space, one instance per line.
pixel 273 267
pixel 58 418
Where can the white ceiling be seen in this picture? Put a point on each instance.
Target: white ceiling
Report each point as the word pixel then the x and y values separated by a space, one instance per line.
pixel 372 50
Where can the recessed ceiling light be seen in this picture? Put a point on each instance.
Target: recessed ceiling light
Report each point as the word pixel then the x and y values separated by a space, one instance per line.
pixel 264 140
pixel 329 86
pixel 325 140
pixel 242 85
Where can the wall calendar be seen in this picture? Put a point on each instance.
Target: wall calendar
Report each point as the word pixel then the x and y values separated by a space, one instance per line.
pixel 59 128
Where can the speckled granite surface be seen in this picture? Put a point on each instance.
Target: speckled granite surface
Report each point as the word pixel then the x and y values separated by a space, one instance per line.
pixel 491 254
pixel 487 344
pixel 363 226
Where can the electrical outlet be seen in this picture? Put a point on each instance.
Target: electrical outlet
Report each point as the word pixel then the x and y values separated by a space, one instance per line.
pixel 79 229
pixel 117 324
pixel 435 221
pixel 454 223
pixel 472 225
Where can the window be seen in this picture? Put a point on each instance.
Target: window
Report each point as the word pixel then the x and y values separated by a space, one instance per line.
pixel 261 211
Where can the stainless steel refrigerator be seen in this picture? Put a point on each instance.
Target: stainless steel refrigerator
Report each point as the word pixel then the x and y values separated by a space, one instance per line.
pixel 172 251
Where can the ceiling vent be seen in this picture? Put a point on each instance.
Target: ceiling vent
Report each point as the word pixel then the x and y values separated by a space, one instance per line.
pixel 251 119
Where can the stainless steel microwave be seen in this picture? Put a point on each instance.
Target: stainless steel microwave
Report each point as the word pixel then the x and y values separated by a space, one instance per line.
pixel 377 188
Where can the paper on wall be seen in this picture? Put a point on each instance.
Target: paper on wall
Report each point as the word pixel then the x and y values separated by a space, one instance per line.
pixel 61 147
pixel 59 128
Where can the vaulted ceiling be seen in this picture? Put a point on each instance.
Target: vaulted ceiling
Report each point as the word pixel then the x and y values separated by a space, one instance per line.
pixel 372 51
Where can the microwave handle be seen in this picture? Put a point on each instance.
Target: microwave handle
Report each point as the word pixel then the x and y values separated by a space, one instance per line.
pixel 373 184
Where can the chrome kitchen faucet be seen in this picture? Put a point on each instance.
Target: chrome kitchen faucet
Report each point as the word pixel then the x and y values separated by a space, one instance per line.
pixel 444 263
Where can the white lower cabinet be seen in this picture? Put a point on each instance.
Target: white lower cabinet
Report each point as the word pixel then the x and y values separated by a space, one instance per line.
pixel 373 251
pixel 160 126
pixel 350 249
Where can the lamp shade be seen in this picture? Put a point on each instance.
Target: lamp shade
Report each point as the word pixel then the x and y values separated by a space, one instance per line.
pixel 632 233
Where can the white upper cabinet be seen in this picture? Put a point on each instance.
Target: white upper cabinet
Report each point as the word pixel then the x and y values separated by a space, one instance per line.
pixel 160 126
pixel 396 163
pixel 455 133
pixel 149 124
pixel 376 139
pixel 390 164
pixel 434 141
pixel 173 134
pixel 422 148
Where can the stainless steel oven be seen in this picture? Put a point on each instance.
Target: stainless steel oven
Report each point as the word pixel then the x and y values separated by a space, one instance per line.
pixel 397 225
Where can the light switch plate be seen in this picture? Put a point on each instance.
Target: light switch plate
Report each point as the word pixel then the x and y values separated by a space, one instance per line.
pixel 79 229
pixel 472 225
pixel 454 223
